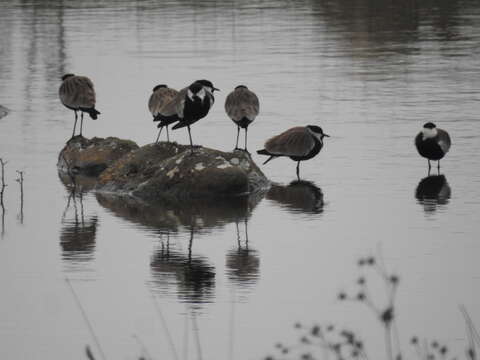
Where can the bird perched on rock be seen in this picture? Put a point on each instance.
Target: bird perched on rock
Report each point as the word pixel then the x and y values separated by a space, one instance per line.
pixel 298 143
pixel 242 106
pixel 160 97
pixel 77 94
pixel 432 143
pixel 188 106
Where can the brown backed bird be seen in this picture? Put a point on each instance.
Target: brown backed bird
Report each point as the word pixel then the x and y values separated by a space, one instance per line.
pixel 242 106
pixel 298 143
pixel 161 96
pixel 77 94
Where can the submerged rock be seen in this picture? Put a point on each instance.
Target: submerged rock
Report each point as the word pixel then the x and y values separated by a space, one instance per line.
pixel 169 171
pixel 90 157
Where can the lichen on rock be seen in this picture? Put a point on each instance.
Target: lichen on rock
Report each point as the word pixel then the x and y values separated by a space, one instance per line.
pixel 171 171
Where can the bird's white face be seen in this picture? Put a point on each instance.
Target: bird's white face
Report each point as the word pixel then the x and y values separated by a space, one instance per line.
pixel 429 133
pixel 201 94
pixel 316 134
pixel 209 89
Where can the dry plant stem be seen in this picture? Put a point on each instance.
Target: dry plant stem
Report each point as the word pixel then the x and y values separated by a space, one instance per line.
pixel 3 185
pixel 165 327
pixel 85 317
pixel 2 190
pixel 20 181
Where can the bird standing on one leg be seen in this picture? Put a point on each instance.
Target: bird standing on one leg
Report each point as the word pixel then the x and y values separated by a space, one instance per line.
pixel 190 105
pixel 77 93
pixel 160 97
pixel 432 143
pixel 242 106
pixel 298 143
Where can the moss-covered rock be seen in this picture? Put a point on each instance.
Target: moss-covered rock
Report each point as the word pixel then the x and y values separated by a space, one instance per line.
pixel 90 157
pixel 169 171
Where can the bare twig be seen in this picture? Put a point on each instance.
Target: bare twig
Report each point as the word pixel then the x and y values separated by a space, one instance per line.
pixel 2 190
pixel 20 181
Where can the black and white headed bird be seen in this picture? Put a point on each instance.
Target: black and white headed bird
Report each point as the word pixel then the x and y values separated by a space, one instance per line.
pixel 77 94
pixel 160 97
pixel 190 105
pixel 298 143
pixel 432 143
pixel 242 107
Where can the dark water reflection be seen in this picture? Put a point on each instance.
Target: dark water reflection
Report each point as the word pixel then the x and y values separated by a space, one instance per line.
pixel 299 196
pixel 194 276
pixel 433 192
pixel 78 231
pixel 243 263
pixel 191 274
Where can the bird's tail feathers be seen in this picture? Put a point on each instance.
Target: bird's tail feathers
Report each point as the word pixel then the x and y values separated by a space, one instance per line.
pixel 265 152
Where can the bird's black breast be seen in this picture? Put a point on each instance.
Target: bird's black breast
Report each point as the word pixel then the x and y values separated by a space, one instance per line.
pixel 429 148
pixel 195 109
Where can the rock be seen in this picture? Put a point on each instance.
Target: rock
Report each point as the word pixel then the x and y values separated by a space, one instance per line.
pixel 91 156
pixel 3 111
pixel 169 171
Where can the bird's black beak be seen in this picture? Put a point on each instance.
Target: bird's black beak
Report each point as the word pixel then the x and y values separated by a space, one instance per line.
pixel 215 89
pixel 326 135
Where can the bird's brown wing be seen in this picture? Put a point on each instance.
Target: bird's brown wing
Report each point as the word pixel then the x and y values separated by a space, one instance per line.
pixel 176 105
pixel 444 140
pixel 160 98
pixel 77 92
pixel 242 103
pixel 296 141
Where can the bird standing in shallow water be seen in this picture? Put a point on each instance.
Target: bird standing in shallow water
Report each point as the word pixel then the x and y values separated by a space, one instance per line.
pixel 190 105
pixel 160 97
pixel 298 143
pixel 432 143
pixel 242 107
pixel 77 93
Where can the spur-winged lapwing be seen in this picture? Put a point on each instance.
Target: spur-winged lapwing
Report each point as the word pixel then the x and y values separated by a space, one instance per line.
pixel 242 107
pixel 432 143
pixel 77 93
pixel 160 97
pixel 298 143
pixel 190 105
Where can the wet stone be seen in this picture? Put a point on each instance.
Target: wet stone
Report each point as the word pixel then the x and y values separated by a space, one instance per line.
pixel 168 171
pixel 89 157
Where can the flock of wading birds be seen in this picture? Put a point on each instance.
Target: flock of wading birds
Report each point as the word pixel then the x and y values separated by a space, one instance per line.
pixel 185 107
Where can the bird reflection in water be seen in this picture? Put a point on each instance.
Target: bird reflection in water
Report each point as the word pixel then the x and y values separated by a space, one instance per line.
pixel 78 232
pixel 299 196
pixel 194 276
pixel 243 263
pixel 432 192
pixel 172 267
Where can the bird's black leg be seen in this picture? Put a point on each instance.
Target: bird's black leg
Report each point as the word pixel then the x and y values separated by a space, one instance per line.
pixel 238 134
pixel 298 170
pixel 190 136
pixel 81 123
pixel 438 167
pixel 159 132
pixel 168 135
pixel 246 128
pixel 75 125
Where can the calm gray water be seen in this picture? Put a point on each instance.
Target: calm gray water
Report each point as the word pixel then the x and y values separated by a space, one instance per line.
pixel 239 275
